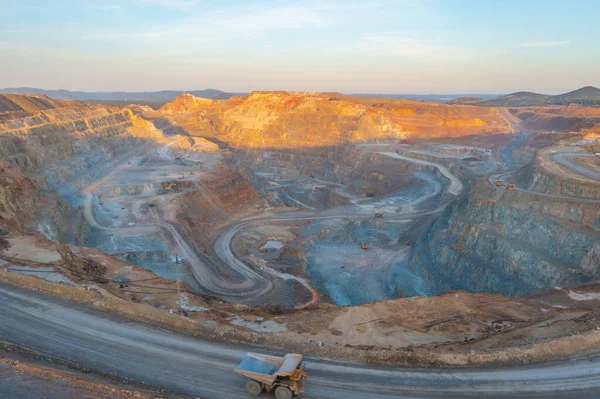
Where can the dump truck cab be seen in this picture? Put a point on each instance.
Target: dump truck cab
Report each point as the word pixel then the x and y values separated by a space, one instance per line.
pixel 282 376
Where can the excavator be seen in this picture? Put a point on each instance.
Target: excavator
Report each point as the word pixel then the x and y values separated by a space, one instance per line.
pixel 168 187
pixel 364 245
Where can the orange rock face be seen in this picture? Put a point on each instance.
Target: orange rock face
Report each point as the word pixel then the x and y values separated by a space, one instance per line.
pixel 188 103
pixel 287 119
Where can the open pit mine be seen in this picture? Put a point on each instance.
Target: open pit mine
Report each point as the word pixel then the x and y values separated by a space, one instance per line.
pixel 383 231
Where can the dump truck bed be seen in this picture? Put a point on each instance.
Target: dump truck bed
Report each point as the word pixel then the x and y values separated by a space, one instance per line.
pixel 266 369
pixel 253 365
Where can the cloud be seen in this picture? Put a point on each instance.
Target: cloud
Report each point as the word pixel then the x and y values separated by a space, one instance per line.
pixel 399 45
pixel 245 22
pixel 545 44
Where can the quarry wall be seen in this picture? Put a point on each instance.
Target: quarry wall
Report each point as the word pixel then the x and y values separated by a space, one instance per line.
pixel 515 244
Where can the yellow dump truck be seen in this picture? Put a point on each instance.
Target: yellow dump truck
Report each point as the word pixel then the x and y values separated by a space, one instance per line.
pixel 364 245
pixel 511 187
pixel 499 182
pixel 282 376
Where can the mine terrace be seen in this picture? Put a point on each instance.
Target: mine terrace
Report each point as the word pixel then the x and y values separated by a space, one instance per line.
pixel 390 231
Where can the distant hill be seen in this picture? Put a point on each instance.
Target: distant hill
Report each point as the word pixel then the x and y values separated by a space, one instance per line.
pixel 589 96
pixel 155 98
pixel 435 98
pixel 588 93
pixel 520 98
pixel 466 101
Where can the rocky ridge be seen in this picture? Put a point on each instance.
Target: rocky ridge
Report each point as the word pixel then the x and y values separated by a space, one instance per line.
pixel 292 120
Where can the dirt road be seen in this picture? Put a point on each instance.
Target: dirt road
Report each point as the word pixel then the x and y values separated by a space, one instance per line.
pixel 563 158
pixel 455 187
pixel 200 368
pixel 566 159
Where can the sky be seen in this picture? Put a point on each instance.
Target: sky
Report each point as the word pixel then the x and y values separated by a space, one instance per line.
pixel 348 46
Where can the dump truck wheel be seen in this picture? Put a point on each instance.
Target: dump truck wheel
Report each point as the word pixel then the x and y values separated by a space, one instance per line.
pixel 254 388
pixel 283 393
